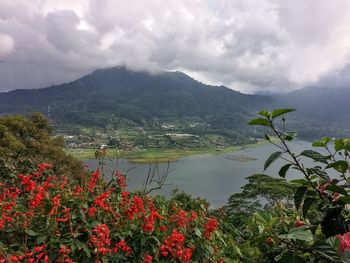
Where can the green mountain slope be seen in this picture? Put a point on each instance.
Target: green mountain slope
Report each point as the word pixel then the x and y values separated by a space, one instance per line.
pixel 118 95
pixel 137 96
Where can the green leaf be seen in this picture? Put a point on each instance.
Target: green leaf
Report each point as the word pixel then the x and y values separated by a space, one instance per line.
pixel 289 257
pixel 41 239
pixel 326 139
pixel 260 122
pixel 278 112
pixel 273 157
pixel 339 145
pixel 326 250
pixel 284 170
pixel 299 196
pixel 318 144
pixel 267 137
pixel 298 234
pixel 298 181
pixel 334 242
pixel 83 216
pixel 315 156
pixel 30 232
pixel 198 232
pixel 85 248
pixel 264 113
pixel 307 204
pixel 340 166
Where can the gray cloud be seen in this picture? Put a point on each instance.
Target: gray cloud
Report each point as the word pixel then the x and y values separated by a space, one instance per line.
pixel 248 45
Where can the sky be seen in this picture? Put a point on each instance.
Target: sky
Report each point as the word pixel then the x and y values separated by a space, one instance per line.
pixel 247 45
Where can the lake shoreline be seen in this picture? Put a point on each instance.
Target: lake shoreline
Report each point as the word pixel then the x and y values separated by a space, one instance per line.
pixel 159 155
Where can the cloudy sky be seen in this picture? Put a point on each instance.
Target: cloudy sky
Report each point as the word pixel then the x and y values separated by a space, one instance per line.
pixel 247 45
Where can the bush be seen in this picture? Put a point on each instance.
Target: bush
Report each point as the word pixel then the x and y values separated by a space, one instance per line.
pixel 27 141
pixel 316 228
pixel 47 217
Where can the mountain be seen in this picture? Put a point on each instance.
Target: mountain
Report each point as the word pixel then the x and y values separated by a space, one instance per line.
pixel 320 111
pixel 118 95
pixel 115 93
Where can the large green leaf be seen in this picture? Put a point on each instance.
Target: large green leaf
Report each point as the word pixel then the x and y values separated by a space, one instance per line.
pixel 299 196
pixel 273 157
pixel 284 170
pixel 340 166
pixel 260 122
pixel 315 156
pixel 307 204
pixel 30 232
pixel 299 234
pixel 278 112
pixel 327 251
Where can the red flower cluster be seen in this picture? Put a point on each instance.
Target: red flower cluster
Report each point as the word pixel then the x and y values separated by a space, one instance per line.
pixel 121 180
pixel 121 245
pixel 182 218
pixel 100 201
pixel 95 176
pixel 54 208
pixel 100 239
pixel 148 226
pixel 210 227
pixel 136 208
pixel 174 244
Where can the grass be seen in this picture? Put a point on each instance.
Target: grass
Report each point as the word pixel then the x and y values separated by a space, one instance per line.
pixel 157 155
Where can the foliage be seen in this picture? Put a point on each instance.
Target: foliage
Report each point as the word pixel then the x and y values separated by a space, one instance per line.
pixel 49 218
pixel 316 229
pixel 261 190
pixel 25 141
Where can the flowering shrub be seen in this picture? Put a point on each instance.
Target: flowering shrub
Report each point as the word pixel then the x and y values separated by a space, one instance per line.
pixel 51 218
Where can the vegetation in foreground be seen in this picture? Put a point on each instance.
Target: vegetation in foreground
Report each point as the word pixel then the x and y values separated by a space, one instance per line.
pixel 49 216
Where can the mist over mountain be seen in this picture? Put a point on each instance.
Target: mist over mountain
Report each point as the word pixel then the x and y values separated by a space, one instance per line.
pixel 320 110
pixel 110 95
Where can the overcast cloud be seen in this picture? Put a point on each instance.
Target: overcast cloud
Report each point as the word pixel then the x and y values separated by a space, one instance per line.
pixel 247 45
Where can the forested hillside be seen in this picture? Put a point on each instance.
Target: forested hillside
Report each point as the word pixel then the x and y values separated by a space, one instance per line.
pixel 118 96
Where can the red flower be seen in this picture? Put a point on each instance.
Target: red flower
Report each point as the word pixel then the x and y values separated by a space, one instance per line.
pixel 93 180
pixel 121 180
pixel 210 227
pixel 56 201
pixel 77 190
pixel 44 166
pixel 147 259
pixel 39 249
pixel 298 223
pixel 344 242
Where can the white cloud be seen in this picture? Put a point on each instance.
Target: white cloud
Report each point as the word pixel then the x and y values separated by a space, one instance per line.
pixel 7 44
pixel 248 45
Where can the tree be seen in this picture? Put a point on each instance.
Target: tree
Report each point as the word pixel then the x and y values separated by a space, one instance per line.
pixel 27 141
pixel 260 191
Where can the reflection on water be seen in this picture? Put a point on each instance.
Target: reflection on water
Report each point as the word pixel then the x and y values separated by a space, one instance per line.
pixel 214 177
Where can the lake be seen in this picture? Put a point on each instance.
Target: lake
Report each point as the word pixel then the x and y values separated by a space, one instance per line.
pixel 213 177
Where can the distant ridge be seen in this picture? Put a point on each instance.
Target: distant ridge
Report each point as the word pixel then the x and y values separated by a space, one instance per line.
pixel 138 96
pixel 109 95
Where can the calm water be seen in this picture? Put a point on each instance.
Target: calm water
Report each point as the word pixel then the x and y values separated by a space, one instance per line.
pixel 213 177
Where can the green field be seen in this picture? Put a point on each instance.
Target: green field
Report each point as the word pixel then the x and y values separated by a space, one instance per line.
pixel 155 155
